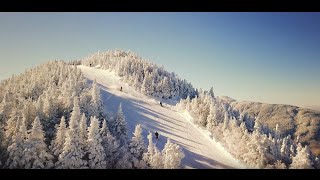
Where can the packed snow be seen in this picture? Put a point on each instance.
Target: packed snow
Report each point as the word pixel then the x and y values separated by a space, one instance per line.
pixel 201 150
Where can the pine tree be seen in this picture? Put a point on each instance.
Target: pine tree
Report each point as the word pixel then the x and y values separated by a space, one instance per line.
pixel 302 158
pixel 4 108
pixel 226 120
pixel 277 132
pixel 29 112
pixel 120 127
pixel 36 154
pixel 137 147
pixel 85 104
pixel 166 88
pixel 172 155
pixel 72 154
pixel 95 148
pixel 83 133
pixel 11 125
pixel 125 156
pixel 150 150
pixel 58 143
pixel 211 92
pixel 156 160
pixel 96 103
pixel 110 145
pixel 16 147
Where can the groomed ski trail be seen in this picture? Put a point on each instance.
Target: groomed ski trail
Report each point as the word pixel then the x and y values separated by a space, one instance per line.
pixel 201 151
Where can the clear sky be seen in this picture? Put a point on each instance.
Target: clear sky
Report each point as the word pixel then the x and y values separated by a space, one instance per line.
pixel 265 57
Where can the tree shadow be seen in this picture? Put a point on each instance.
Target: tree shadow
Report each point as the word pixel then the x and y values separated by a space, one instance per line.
pixel 202 162
pixel 135 113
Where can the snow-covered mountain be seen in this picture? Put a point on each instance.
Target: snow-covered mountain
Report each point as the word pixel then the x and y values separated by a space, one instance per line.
pixel 102 112
pixel 200 150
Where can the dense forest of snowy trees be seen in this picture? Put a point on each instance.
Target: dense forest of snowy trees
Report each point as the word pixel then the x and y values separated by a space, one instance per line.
pixel 50 117
pixel 245 139
pixel 143 75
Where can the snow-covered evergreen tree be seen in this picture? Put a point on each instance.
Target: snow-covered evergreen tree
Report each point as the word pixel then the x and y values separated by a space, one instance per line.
pixel 96 103
pixel 72 154
pixel 36 154
pixel 120 126
pixel 110 145
pixel 211 92
pixel 11 125
pixel 172 155
pixel 302 158
pixel 150 149
pixel 137 147
pixel 16 147
pixel 95 148
pixel 124 161
pixel 156 161
pixel 5 107
pixel 58 143
pixel 83 133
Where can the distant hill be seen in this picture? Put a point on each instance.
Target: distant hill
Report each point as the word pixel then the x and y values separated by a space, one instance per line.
pixel 313 107
pixel 293 120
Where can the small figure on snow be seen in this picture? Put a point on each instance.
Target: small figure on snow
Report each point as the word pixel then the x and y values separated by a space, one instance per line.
pixel 157 135
pixel 161 104
pixel 90 65
pixel 121 88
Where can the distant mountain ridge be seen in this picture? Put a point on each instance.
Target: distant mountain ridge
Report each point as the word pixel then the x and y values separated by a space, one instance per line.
pixel 313 107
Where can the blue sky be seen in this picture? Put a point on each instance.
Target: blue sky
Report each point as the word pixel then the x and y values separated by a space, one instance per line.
pixel 266 57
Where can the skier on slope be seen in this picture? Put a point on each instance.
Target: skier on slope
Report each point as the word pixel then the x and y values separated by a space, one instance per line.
pixel 157 135
pixel 161 104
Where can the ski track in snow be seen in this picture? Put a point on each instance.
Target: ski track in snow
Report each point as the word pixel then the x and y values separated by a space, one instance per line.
pixel 201 151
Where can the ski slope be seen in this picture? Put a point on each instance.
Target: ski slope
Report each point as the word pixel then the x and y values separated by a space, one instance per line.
pixel 201 151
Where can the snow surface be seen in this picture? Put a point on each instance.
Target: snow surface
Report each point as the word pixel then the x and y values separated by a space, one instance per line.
pixel 201 151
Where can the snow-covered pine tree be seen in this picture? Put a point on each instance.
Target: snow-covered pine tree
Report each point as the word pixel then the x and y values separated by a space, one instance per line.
pixel 146 84
pixel 29 112
pixel 166 88
pixel 285 149
pixel 211 93
pixel 3 151
pixel 96 103
pixel 110 145
pixel 150 150
pixel 16 147
pixel 73 154
pixel 137 148
pixel 211 119
pixel 50 115
pixel 11 126
pixel 226 120
pixel 120 127
pixel 58 143
pixel 172 155
pixel 156 161
pixel 302 158
pixel 83 133
pixel 125 156
pixel 5 107
pixel 95 148
pixel 84 104
pixel 36 154
pixel 277 132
